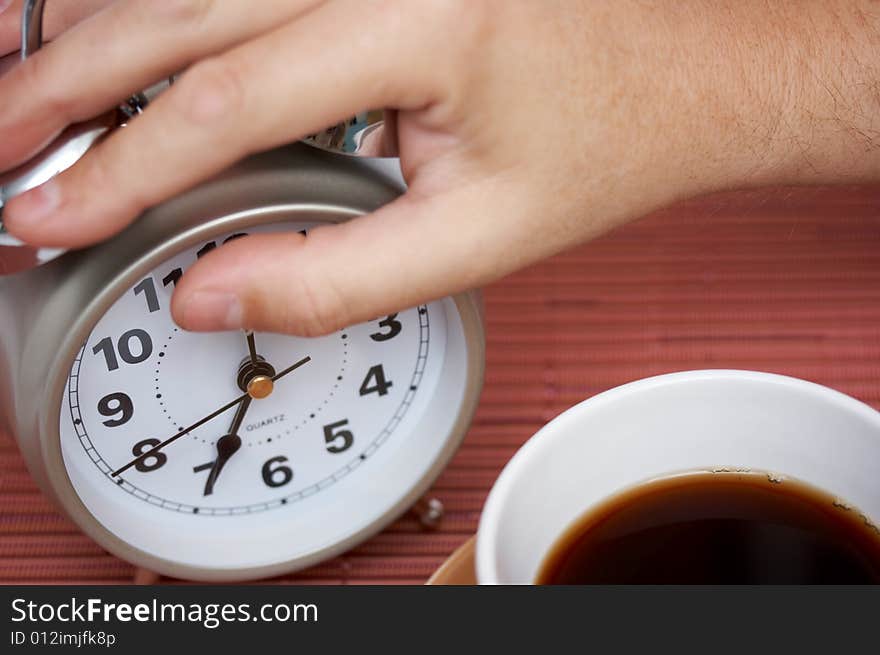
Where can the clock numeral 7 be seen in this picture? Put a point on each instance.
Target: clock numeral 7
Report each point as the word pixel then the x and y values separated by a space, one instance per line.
pixel 331 435
pixel 123 345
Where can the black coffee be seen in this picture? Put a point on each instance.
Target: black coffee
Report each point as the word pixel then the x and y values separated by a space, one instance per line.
pixel 717 528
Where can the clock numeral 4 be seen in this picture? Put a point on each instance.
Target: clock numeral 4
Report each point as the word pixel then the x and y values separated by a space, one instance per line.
pixel 113 404
pixel 332 435
pixel 275 473
pixel 394 327
pixel 151 462
pixel 381 385
pixel 124 347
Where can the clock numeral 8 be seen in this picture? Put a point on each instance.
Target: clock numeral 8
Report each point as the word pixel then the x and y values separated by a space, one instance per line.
pixel 105 345
pixel 151 462
pixel 330 437
pixel 277 476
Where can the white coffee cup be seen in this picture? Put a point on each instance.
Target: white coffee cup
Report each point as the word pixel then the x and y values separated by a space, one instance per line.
pixel 697 420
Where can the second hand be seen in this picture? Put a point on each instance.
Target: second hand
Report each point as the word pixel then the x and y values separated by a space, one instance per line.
pixel 155 449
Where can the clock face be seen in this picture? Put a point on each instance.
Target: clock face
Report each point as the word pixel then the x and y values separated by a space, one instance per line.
pixel 277 446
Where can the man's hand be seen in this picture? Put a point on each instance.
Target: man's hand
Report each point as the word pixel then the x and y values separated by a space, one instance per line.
pixel 524 127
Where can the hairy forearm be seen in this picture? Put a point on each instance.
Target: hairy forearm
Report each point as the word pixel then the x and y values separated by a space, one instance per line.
pixel 791 90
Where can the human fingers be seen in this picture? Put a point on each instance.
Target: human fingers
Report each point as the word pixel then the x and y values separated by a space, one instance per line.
pixel 124 48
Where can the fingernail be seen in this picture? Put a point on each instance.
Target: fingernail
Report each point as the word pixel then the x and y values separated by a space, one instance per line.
pixel 212 310
pixel 4 5
pixel 36 205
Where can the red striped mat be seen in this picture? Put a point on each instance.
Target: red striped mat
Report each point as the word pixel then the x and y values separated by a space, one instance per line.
pixel 785 281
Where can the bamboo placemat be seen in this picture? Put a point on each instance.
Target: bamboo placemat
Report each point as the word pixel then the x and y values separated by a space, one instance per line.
pixel 785 281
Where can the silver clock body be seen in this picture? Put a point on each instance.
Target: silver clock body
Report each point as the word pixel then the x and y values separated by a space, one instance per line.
pixel 48 312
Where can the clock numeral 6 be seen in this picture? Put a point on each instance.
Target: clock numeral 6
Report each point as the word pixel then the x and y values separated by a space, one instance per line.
pixel 277 476
pixel 151 462
pixel 113 404
pixel 381 386
pixel 394 328
pixel 331 435
pixel 145 348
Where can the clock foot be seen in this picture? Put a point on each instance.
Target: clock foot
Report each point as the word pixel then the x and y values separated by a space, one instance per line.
pixel 429 512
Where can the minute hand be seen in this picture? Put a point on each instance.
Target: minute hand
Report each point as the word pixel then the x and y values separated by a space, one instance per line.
pixel 155 449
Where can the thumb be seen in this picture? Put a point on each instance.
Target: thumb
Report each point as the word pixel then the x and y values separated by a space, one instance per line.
pixel 409 252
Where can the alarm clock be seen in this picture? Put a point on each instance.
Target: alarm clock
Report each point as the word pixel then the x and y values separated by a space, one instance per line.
pixel 232 455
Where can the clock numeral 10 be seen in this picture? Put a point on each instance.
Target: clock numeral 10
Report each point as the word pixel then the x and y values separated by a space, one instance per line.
pixel 332 436
pixel 105 346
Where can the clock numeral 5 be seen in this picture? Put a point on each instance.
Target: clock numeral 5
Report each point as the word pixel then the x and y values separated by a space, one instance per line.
pixel 381 386
pixel 105 346
pixel 151 463
pixel 113 404
pixel 331 436
pixel 275 473
pixel 394 328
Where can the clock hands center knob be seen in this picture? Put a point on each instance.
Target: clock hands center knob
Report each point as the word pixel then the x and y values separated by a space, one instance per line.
pixel 260 386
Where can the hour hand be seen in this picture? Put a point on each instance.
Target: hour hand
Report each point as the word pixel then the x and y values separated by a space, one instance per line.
pixel 227 446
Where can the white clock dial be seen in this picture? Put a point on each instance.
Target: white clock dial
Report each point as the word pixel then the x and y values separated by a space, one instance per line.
pixel 332 447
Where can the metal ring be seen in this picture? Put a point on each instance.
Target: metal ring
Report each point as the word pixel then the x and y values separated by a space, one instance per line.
pixel 31 27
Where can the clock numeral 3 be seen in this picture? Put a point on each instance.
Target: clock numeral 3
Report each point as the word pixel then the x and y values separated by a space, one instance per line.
pixel 331 436
pixel 151 463
pixel 277 476
pixel 381 387
pixel 394 328
pixel 113 404
pixel 145 346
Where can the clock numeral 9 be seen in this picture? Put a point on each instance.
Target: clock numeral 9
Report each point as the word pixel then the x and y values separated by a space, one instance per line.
pixel 394 328
pixel 277 476
pixel 152 462
pixel 381 387
pixel 113 404
pixel 105 345
pixel 330 437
